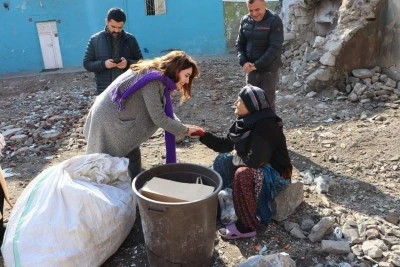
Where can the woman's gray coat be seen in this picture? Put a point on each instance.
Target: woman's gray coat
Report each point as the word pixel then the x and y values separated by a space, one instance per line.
pixel 118 133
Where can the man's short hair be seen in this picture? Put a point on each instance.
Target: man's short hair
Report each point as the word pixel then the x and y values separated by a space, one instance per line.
pixel 252 1
pixel 116 14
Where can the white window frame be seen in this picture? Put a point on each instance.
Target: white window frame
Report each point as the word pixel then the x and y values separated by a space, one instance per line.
pixel 160 7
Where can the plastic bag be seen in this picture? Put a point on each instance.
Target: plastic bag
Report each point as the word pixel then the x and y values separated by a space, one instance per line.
pixel 76 213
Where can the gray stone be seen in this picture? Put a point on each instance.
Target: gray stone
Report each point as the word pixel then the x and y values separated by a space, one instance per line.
pixel 357 250
pixel 353 80
pixel 308 177
pixel 311 94
pixel 307 225
pixel 353 97
pixel 319 42
pixel 50 134
pixel 395 261
pixel 374 248
pixel 372 233
pixel 390 83
pixel 323 181
pixel 328 59
pixel 323 75
pixel 359 89
pixel 391 240
pixel 371 250
pixel 311 55
pixel 277 260
pixel 335 247
pixel 383 78
pixel 334 47
pixel 296 232
pixel 9 132
pixel 297 84
pixel 321 228
pixel 395 247
pixel 19 138
pixel 362 73
pixel 287 201
pixel 392 217
pixel 351 233
pixel 250 262
pixel 289 36
pixel 289 225
pixel 392 73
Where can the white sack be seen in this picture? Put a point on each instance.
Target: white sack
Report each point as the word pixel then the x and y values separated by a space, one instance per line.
pixel 76 213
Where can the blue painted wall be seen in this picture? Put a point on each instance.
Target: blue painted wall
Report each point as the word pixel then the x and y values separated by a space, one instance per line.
pixel 196 27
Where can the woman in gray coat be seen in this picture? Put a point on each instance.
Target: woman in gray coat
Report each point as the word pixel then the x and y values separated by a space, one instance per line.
pixel 136 104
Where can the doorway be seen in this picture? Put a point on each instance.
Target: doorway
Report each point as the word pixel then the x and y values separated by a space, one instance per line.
pixel 49 44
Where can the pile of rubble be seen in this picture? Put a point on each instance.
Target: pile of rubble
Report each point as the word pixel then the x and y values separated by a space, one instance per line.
pixel 51 115
pixel 317 38
pixel 366 85
pixel 361 238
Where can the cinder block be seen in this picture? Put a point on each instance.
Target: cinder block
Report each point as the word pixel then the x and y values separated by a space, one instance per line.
pixel 287 201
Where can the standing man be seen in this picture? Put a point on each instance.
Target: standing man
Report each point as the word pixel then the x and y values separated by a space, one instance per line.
pixel 259 47
pixel 110 52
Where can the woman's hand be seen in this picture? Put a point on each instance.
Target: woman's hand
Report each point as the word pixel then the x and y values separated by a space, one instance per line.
pixel 194 131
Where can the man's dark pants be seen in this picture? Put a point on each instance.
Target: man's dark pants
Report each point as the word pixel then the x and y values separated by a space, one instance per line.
pixel 268 81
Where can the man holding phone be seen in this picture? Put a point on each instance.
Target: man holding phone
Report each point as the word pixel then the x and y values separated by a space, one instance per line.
pixel 111 51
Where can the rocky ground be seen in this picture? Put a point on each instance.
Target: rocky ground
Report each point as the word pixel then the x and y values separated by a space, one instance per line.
pixel 346 152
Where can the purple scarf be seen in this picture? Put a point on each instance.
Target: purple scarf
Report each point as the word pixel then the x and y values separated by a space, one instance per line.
pixel 118 98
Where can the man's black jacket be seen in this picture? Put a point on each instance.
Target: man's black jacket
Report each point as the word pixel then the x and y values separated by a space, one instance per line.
pixel 260 42
pixel 99 49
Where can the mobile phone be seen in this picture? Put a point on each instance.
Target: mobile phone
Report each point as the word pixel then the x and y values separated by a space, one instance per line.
pixel 117 60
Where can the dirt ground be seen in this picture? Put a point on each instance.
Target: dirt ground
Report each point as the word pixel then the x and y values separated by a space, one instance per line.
pixel 358 145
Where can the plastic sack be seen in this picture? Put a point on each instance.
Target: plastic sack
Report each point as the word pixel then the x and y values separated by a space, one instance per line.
pixel 76 213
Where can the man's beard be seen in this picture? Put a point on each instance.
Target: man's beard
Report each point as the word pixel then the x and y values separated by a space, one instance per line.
pixel 116 34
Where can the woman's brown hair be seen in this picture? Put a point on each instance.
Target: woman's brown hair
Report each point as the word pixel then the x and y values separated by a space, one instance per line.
pixel 170 65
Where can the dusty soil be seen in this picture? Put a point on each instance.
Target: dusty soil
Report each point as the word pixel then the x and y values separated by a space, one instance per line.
pixel 356 144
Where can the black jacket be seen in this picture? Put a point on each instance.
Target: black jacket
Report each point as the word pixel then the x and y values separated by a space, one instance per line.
pixel 261 42
pixel 266 144
pixel 99 49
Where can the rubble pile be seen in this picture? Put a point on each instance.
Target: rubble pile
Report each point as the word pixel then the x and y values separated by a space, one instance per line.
pixel 52 121
pixel 342 231
pixel 366 85
pixel 315 34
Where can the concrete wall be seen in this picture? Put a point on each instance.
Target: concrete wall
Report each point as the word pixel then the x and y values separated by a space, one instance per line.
pixel 194 26
pixel 390 52
pixel 365 48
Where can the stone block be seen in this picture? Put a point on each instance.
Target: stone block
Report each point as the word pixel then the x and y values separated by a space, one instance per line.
pixel 287 201
pixel 335 247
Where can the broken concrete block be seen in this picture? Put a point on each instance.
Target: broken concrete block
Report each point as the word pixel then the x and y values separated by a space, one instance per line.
pixel 278 260
pixel 328 59
pixel 335 247
pixel 287 201
pixel 321 228
pixel 362 73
